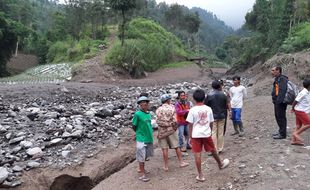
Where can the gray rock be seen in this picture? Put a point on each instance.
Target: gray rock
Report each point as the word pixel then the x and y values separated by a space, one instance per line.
pixel 17 168
pixel 26 144
pixel 21 134
pixel 48 122
pixel 33 110
pixel 16 140
pixel 8 136
pixel 52 115
pixel 33 164
pixel 11 184
pixel 78 127
pixel 90 113
pixel 77 133
pixel 66 134
pixel 3 174
pixel 68 147
pixel 11 113
pixel 17 149
pixel 56 141
pixel 117 116
pixel 34 151
pixel 2 129
pixel 65 153
pixel 94 104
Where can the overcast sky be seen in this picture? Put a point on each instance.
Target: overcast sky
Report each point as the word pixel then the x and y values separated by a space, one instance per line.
pixel 232 12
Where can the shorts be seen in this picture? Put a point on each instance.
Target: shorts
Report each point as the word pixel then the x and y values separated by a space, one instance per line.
pixel 198 143
pixel 236 114
pixel 144 150
pixel 302 118
pixel 169 142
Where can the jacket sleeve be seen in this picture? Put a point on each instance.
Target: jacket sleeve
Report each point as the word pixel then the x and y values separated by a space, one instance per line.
pixel 179 111
pixel 282 82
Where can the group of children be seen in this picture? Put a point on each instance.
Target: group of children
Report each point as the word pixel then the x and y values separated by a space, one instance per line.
pixel 200 120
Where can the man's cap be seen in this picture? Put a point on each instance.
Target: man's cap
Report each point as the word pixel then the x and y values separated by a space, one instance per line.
pixel 165 97
pixel 143 98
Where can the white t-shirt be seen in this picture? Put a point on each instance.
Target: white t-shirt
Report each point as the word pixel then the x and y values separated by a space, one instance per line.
pixel 200 117
pixel 303 99
pixel 237 94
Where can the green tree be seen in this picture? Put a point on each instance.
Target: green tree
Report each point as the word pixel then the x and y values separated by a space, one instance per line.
pixel 8 40
pixel 124 6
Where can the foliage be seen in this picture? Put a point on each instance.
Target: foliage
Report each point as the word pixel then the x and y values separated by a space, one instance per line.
pixel 123 6
pixel 147 47
pixel 72 50
pixel 273 26
pixel 178 64
pixel 299 39
pixel 8 39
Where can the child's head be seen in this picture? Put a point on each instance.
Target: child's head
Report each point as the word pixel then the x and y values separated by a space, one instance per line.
pixel 306 84
pixel 143 102
pixel 216 85
pixel 199 95
pixel 181 95
pixel 236 80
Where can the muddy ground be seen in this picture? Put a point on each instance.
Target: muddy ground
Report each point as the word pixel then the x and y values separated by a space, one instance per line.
pixel 257 161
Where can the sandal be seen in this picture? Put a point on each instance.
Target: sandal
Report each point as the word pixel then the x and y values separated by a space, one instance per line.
pixel 144 178
pixel 296 138
pixel 165 169
pixel 225 164
pixel 184 164
pixel 200 179
pixel 298 143
pixel 145 171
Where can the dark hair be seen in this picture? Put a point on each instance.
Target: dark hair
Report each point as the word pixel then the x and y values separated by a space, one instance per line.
pixel 199 95
pixel 278 68
pixel 180 92
pixel 144 94
pixel 221 82
pixel 216 84
pixel 306 83
pixel 236 78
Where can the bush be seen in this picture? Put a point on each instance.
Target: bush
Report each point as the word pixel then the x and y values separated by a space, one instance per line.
pixel 298 40
pixel 71 50
pixel 58 52
pixel 147 47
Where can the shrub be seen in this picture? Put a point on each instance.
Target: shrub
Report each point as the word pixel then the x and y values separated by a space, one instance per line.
pixel 147 47
pixel 298 40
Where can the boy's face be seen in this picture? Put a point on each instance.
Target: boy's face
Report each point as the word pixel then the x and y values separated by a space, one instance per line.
pixel 275 72
pixel 183 96
pixel 144 105
pixel 236 82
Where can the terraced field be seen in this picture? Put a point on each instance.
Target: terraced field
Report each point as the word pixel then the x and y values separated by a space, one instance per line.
pixel 50 73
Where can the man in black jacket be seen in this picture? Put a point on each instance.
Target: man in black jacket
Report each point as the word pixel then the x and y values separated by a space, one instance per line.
pixel 278 95
pixel 219 104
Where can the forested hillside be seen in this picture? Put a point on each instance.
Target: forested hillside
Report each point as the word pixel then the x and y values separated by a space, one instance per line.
pixel 73 31
pixel 273 26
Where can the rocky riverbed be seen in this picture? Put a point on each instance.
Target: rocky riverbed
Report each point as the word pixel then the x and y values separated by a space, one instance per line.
pixel 57 126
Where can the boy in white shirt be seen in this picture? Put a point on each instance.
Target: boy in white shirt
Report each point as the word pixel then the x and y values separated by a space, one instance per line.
pixel 301 108
pixel 200 119
pixel 237 94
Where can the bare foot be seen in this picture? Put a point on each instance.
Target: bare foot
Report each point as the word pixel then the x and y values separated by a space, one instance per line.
pixel 165 168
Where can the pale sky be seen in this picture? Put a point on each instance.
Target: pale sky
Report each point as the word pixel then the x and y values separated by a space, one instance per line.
pixel 232 12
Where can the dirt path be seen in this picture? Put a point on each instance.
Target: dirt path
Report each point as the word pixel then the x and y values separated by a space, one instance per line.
pixel 257 161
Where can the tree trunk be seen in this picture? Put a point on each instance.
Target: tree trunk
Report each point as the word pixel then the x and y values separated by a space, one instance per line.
pixel 16 50
pixel 123 28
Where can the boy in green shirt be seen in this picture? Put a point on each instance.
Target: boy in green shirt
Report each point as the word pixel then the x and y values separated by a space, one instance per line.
pixel 144 135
